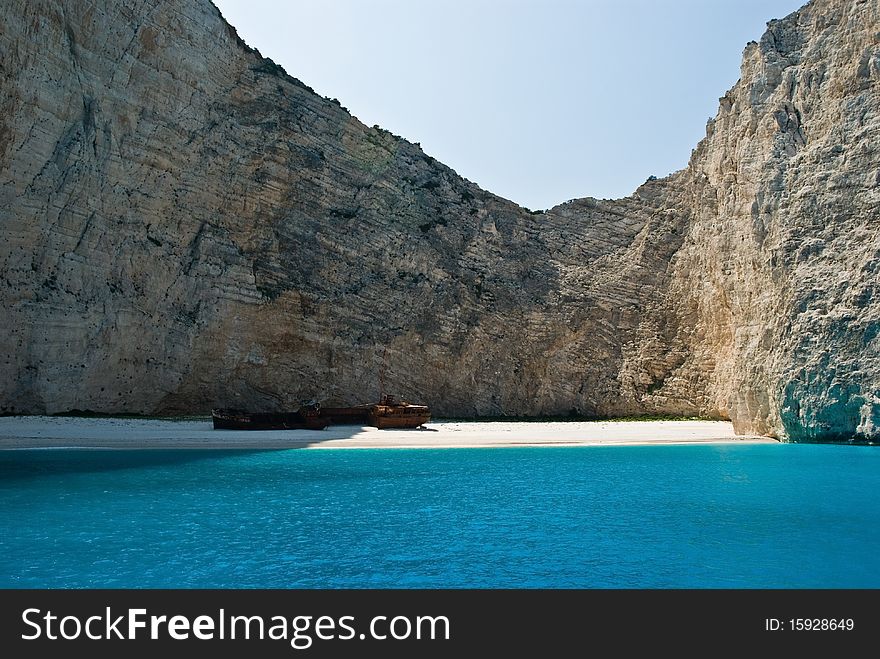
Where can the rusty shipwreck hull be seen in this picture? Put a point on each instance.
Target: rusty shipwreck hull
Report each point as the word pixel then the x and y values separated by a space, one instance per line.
pixel 228 419
pixel 389 412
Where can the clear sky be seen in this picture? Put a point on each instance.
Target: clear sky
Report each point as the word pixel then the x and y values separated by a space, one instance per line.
pixel 539 101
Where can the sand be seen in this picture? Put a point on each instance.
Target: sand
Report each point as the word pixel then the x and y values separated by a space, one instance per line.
pixel 61 432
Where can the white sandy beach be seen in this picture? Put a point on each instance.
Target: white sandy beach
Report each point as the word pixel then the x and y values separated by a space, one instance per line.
pixel 57 432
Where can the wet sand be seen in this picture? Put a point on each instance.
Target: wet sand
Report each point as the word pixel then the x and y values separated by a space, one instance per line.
pixel 66 432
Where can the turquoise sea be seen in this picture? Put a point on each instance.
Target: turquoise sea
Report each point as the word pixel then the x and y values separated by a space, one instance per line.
pixel 709 516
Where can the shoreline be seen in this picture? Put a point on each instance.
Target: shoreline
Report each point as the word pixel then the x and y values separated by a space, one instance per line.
pixel 44 432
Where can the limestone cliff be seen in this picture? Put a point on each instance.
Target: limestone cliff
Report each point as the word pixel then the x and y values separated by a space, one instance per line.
pixel 185 225
pixel 780 272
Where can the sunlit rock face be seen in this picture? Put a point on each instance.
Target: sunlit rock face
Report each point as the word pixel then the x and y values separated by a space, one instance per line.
pixel 187 226
pixel 781 267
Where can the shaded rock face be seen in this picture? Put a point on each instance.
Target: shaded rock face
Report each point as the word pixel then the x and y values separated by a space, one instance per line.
pixel 186 226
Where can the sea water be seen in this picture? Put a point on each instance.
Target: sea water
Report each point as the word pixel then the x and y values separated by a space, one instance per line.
pixel 707 516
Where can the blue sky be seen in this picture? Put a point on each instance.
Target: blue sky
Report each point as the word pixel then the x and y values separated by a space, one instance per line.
pixel 539 101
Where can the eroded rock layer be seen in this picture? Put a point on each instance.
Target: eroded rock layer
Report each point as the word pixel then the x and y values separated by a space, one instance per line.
pixel 186 226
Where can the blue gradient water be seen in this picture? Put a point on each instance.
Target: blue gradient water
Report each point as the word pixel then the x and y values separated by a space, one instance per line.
pixel 674 516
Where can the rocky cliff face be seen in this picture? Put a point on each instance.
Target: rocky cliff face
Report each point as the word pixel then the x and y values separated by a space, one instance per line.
pixel 187 226
pixel 781 268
